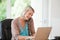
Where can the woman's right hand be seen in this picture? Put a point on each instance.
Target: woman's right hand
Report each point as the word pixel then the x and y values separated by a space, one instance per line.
pixel 21 37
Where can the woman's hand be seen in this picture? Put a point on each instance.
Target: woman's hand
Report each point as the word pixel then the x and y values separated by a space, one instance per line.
pixel 25 37
pixel 21 37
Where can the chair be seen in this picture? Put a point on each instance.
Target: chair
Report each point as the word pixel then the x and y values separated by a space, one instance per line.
pixel 0 31
pixel 6 29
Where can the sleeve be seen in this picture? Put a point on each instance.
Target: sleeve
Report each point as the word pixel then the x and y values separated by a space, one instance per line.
pixel 14 30
pixel 32 29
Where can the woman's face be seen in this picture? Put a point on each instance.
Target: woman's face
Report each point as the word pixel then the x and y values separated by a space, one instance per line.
pixel 28 14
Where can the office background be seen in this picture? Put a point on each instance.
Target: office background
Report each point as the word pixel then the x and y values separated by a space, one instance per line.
pixel 47 13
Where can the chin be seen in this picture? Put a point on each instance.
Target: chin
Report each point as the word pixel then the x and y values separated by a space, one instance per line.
pixel 26 19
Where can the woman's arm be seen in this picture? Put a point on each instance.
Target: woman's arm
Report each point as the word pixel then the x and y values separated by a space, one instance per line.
pixel 14 30
pixel 32 29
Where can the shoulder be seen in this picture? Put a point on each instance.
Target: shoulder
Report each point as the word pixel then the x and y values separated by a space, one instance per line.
pixel 15 20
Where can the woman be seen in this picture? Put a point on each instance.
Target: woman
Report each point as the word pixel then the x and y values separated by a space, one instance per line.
pixel 23 27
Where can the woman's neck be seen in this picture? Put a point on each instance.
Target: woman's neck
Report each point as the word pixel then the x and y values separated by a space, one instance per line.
pixel 23 19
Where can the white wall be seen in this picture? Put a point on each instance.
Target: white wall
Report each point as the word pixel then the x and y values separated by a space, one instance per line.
pixel 42 13
pixel 37 5
pixel 51 16
pixel 47 15
pixel 55 18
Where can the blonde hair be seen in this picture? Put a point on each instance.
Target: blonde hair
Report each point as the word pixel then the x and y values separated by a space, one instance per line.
pixel 27 8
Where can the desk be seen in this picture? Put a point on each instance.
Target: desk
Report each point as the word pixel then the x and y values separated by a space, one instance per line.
pixel 57 38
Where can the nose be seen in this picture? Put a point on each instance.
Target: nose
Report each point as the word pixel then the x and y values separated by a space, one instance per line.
pixel 30 16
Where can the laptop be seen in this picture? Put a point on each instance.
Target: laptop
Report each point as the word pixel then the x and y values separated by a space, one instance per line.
pixel 42 33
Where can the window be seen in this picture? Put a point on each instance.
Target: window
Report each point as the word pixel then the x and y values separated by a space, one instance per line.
pixel 2 9
pixel 17 6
